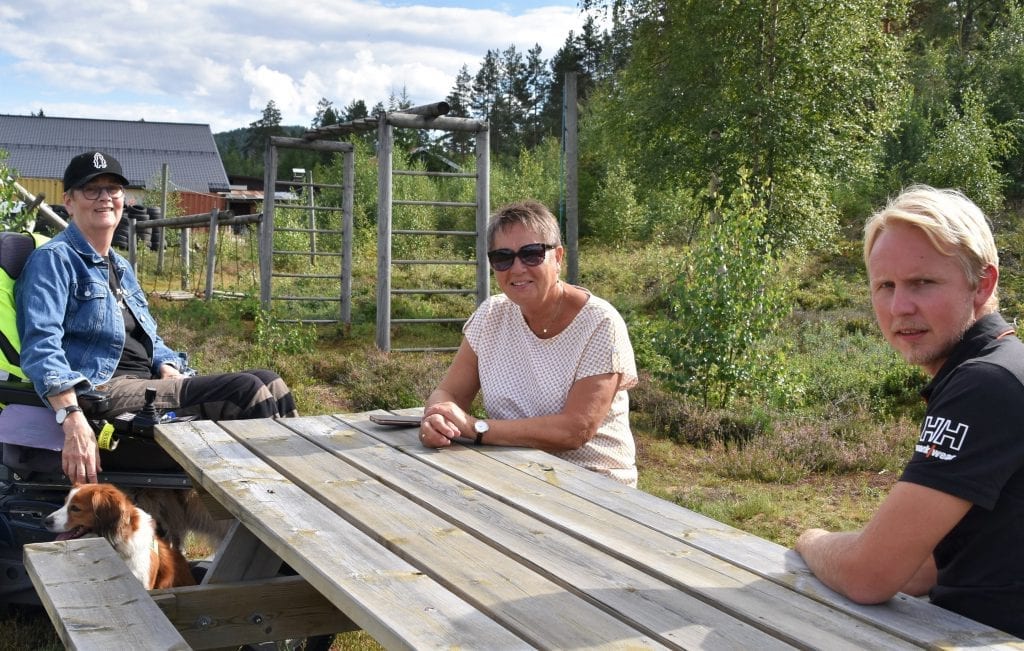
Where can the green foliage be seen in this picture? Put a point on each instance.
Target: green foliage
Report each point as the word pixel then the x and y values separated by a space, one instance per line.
pixel 656 408
pixel 535 175
pixel 154 196
pixel 794 450
pixel 849 369
pixel 273 339
pixel 616 215
pixel 799 93
pixel 379 380
pixel 11 219
pixel 1000 75
pixel 728 298
pixel 965 151
pixel 673 215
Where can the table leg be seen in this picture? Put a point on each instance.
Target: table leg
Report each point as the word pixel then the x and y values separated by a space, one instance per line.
pixel 242 556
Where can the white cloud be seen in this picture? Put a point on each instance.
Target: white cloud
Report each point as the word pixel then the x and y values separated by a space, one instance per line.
pixel 220 61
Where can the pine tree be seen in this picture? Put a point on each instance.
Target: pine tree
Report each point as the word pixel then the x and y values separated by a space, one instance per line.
pixel 325 114
pixel 268 125
pixel 537 83
pixel 459 142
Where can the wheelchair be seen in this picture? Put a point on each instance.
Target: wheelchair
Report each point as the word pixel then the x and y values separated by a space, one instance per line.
pixel 31 482
pixel 32 485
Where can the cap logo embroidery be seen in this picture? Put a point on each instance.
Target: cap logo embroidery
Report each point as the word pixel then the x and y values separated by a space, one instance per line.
pixel 98 161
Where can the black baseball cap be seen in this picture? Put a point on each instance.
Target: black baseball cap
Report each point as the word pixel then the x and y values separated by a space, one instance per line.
pixel 85 167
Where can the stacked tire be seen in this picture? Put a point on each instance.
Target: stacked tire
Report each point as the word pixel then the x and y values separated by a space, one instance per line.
pixel 138 213
pixel 154 233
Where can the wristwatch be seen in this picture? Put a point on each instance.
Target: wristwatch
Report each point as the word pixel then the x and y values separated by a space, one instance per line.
pixel 64 412
pixel 480 427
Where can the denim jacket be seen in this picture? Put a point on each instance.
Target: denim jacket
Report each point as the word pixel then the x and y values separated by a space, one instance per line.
pixel 72 331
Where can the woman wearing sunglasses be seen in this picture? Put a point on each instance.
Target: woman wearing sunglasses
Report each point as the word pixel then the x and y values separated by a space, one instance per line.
pixel 552 361
pixel 85 323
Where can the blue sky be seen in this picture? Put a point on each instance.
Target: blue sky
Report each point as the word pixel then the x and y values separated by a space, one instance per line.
pixel 219 62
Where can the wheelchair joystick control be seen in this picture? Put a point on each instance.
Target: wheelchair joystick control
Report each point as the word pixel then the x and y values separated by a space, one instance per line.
pixel 149 409
pixel 148 416
pixel 140 424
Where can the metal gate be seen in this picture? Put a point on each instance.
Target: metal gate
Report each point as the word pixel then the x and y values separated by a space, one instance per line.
pixel 431 117
pixel 291 289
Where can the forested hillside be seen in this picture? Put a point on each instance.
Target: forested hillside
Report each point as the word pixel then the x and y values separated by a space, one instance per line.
pixel 745 135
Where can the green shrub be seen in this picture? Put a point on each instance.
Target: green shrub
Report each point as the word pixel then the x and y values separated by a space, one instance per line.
pixel 273 339
pixel 729 297
pixel 9 200
pixel 617 216
pixel 378 380
pixel 683 421
pixel 794 450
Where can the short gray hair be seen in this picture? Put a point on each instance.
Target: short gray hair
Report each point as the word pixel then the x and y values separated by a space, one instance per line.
pixel 531 215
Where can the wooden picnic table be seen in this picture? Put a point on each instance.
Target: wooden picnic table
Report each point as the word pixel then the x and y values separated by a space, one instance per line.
pixel 493 548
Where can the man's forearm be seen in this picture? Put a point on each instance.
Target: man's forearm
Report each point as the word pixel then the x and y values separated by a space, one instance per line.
pixel 923 580
pixel 832 556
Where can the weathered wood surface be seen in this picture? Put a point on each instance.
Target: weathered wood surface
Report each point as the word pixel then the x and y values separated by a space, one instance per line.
pixel 528 602
pixel 392 600
pixel 93 599
pixel 488 547
pixel 914 620
pixel 689 602
pixel 220 615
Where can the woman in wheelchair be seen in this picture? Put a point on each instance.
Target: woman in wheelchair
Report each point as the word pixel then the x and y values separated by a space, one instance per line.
pixel 85 324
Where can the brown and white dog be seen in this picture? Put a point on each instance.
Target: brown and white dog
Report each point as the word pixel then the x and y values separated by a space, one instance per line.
pixel 103 510
pixel 178 513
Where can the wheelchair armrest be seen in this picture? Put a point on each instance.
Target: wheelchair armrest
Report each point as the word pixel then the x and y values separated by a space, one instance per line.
pixel 22 393
pixel 19 393
pixel 93 403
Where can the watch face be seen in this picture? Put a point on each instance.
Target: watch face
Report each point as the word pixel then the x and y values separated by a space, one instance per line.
pixel 481 427
pixel 64 412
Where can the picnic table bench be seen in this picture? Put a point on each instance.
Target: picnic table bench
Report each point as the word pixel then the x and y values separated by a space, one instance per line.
pixel 487 548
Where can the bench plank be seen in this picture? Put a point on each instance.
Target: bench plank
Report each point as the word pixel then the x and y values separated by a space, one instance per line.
pixel 363 579
pixel 94 601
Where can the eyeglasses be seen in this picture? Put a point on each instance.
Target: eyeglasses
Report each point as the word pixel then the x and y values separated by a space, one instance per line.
pixel 531 255
pixel 93 192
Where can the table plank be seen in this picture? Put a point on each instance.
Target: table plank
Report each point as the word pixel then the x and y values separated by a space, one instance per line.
pixel 527 602
pixel 913 619
pixel 906 616
pixel 390 599
pixel 661 611
pixel 742 594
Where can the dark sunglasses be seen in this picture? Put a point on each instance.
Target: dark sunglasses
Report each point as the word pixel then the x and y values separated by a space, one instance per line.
pixel 531 255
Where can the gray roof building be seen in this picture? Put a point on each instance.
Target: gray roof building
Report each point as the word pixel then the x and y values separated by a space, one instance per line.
pixel 40 147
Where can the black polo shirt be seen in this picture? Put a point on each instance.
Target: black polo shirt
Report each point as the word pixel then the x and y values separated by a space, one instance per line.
pixel 971 445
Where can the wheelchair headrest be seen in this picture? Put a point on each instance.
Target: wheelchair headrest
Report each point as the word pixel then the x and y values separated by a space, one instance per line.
pixel 14 250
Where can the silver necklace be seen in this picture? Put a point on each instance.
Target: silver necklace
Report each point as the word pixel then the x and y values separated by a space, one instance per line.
pixel 558 309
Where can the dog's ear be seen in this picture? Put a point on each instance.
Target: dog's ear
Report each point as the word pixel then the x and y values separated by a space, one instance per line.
pixel 111 518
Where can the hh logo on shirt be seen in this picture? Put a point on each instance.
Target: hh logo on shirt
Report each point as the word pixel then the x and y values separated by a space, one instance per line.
pixel 941 438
